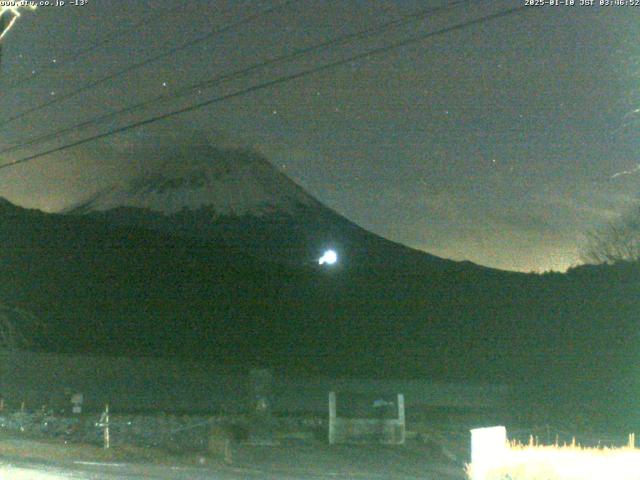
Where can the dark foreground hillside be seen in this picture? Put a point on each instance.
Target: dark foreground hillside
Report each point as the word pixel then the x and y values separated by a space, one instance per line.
pixel 128 290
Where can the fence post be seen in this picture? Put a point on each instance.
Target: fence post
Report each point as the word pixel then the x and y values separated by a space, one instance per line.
pixel 107 440
pixel 401 418
pixel 228 455
pixel 332 418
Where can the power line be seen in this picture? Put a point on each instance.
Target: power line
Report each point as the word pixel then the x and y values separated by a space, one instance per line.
pixel 268 84
pixel 148 61
pixel 240 73
pixel 72 57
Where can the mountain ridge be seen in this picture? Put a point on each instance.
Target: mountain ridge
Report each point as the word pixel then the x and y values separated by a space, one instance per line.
pixel 266 213
pixel 232 181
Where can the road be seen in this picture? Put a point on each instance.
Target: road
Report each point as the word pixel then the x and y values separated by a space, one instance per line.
pixel 109 471
pixel 115 471
pixel 295 461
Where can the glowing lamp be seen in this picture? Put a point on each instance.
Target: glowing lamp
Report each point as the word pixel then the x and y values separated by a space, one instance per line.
pixel 329 257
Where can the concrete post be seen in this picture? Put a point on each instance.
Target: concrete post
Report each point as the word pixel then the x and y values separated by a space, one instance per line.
pixel 332 418
pixel 401 418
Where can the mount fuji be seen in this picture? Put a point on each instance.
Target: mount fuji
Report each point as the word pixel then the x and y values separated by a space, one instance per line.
pixel 229 182
pixel 236 198
pixel 214 255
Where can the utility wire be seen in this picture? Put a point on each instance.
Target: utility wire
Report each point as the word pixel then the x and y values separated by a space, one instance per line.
pixel 268 84
pixel 135 66
pixel 72 57
pixel 239 73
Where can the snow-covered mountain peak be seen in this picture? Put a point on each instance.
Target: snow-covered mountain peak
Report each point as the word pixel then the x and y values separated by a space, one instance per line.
pixel 228 181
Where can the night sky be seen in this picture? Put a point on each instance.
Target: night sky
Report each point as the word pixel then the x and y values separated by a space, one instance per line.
pixel 501 143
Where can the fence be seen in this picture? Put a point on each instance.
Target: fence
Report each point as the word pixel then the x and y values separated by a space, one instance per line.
pixel 379 429
pixel 145 384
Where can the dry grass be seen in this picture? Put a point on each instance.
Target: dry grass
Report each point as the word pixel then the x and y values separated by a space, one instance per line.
pixel 570 462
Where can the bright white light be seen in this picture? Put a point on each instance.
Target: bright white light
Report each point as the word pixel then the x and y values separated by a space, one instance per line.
pixel 329 257
pixel 493 457
pixel 13 13
pixel 488 448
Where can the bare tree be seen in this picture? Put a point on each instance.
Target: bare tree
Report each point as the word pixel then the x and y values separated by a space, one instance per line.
pixel 618 241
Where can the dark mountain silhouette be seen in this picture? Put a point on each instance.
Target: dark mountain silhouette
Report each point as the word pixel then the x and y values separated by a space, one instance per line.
pixel 244 288
pixel 238 199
